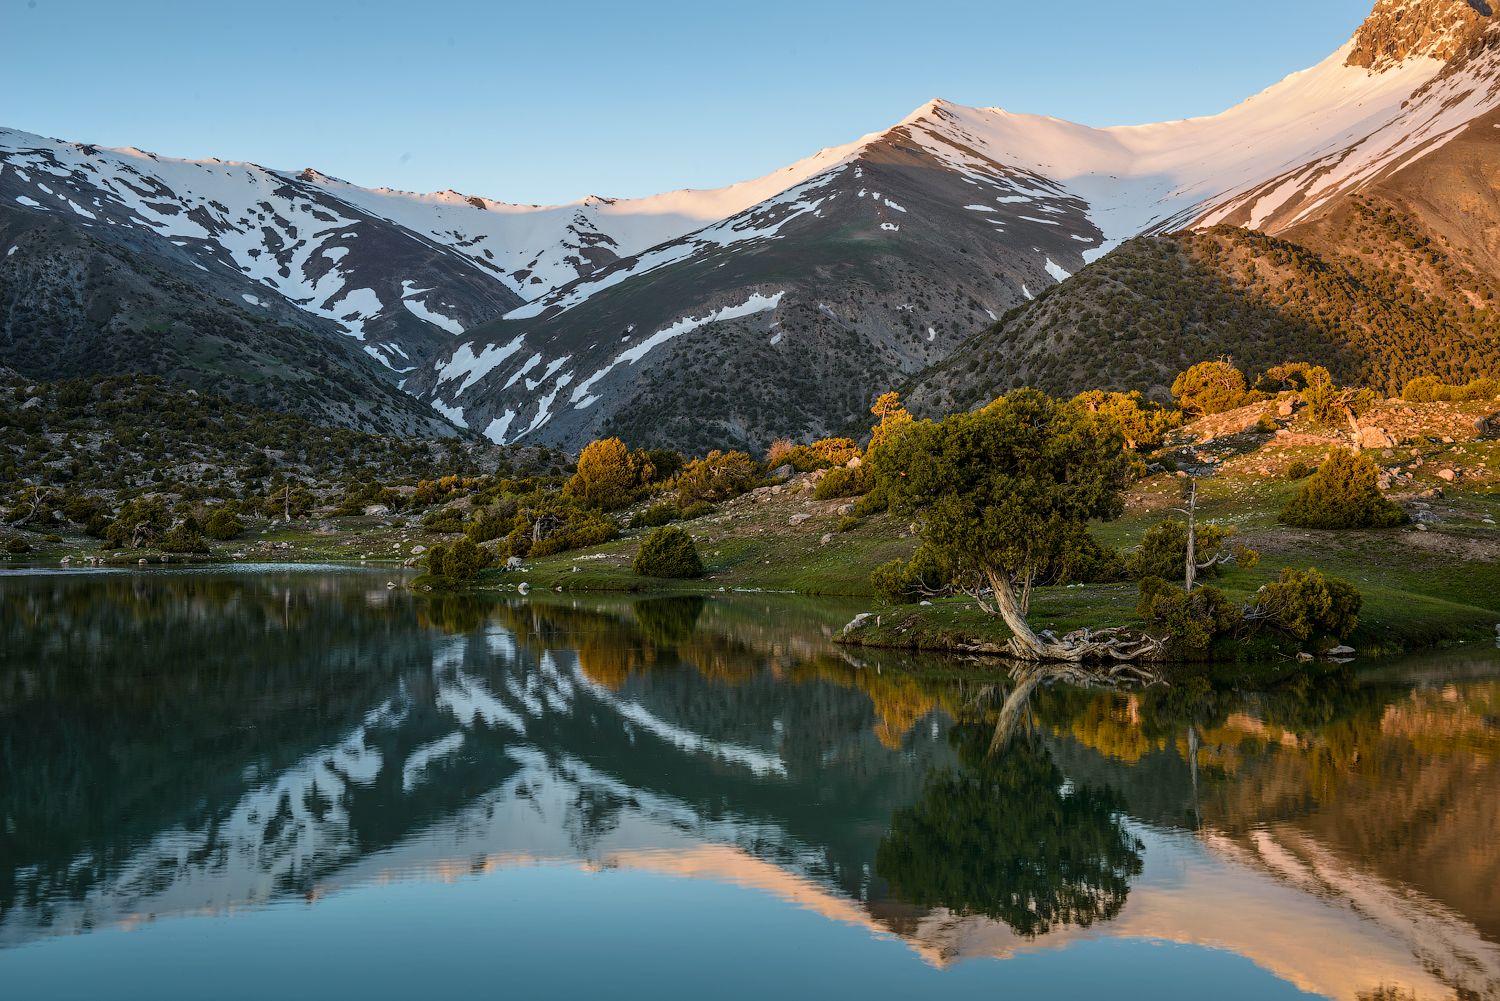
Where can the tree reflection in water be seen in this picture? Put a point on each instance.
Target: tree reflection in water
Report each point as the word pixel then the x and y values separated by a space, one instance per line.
pixel 1004 835
pixel 669 621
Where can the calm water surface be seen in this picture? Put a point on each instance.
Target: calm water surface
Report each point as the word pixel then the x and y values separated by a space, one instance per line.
pixel 304 784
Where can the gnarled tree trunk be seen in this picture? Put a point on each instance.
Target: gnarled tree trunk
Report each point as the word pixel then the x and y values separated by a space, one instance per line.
pixel 1117 645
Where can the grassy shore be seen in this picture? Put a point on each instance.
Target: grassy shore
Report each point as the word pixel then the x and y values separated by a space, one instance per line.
pixel 1431 583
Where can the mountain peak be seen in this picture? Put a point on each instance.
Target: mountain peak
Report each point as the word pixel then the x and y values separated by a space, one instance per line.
pixel 1399 30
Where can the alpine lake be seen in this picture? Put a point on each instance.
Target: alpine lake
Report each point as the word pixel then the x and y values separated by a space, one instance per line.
pixel 301 782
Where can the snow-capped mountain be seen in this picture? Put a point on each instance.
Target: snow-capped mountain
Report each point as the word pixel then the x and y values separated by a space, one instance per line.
pixel 776 306
pixel 910 239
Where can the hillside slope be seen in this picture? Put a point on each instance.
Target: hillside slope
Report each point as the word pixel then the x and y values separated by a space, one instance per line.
pixel 1161 303
pixel 71 305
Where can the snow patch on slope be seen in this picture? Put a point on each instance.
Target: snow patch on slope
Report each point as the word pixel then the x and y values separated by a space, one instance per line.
pixel 756 303
pixel 470 367
pixel 410 298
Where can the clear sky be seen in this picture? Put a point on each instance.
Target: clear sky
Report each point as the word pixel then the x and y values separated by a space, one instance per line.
pixel 550 100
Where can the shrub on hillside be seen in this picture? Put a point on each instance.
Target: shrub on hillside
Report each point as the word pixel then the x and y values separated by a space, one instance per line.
pixel 715 477
pixel 780 452
pixel 1163 550
pixel 579 529
pixel 1343 493
pixel 664 463
pixel 905 582
pixel 657 515
pixel 223 525
pixel 1328 404
pixel 821 454
pixel 1303 603
pixel 1431 389
pixel 843 482
pixel 1142 424
pixel 461 561
pixel 139 523
pixel 835 451
pixel 608 476
pixel 90 512
pixel 669 552
pixel 449 520
pixel 1192 620
pixel 356 497
pixel 184 538
pixel 488 524
pixel 1212 387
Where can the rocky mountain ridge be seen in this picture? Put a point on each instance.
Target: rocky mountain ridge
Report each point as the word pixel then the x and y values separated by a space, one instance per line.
pixel 1398 30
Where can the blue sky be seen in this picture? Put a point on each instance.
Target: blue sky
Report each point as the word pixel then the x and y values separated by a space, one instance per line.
pixel 551 100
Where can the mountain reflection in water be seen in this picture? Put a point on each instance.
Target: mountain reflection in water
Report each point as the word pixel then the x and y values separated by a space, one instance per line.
pixel 196 744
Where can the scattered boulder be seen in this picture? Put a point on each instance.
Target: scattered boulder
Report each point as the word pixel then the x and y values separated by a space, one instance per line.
pixel 376 510
pixel 826 539
pixel 783 472
pixel 513 563
pixel 1286 408
pixel 1374 437
pixel 859 620
pixel 418 550
pixel 1447 475
pixel 1341 651
pixel 798 518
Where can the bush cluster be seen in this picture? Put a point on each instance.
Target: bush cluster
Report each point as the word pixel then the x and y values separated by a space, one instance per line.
pixel 657 515
pixel 1304 603
pixel 1343 493
pixel 1192 620
pixel 718 476
pixel 463 560
pixel 670 553
pixel 1431 389
pixel 843 482
pixel 224 524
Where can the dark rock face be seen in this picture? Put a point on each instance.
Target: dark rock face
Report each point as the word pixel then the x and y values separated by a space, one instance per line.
pixel 1398 30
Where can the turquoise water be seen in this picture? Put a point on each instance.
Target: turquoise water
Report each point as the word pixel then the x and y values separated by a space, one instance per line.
pixel 305 784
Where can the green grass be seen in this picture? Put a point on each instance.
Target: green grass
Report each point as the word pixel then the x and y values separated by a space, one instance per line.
pixel 762 554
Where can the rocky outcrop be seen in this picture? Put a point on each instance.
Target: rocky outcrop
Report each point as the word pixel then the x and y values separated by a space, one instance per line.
pixel 1398 30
